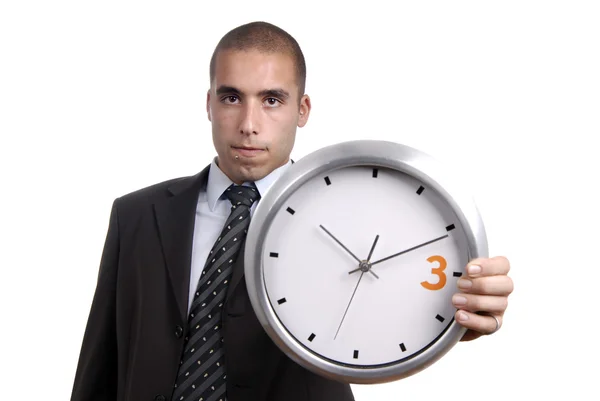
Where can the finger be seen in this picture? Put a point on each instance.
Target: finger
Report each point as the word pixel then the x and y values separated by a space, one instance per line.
pixel 480 303
pixel 495 266
pixel 480 323
pixel 493 285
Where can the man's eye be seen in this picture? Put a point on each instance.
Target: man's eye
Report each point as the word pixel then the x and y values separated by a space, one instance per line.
pixel 231 99
pixel 271 101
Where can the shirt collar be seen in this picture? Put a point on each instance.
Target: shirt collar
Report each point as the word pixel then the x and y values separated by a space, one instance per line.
pixel 218 182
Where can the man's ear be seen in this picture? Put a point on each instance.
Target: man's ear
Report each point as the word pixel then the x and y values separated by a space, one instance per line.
pixel 208 105
pixel 304 111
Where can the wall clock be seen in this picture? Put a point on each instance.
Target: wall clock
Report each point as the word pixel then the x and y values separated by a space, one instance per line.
pixel 352 258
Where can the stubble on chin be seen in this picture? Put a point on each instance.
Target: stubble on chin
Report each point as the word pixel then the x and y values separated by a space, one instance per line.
pixel 240 171
pixel 249 172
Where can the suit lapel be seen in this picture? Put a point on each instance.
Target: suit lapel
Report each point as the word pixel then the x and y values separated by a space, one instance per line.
pixel 175 217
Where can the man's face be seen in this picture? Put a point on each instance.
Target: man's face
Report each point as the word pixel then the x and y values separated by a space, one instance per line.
pixel 254 109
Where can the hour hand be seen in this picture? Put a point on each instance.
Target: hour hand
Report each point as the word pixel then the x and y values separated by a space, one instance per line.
pixel 342 245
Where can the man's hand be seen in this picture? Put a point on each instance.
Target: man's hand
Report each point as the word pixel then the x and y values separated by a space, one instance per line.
pixel 483 294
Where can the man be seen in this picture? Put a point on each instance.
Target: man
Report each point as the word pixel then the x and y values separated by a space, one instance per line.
pixel 171 318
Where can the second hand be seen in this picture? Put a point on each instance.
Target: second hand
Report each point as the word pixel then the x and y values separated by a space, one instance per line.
pixel 348 307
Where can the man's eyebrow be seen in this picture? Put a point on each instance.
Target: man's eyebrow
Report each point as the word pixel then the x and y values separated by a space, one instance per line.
pixel 278 93
pixel 227 89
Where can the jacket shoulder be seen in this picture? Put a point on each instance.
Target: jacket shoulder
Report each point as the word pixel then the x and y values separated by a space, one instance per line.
pixel 152 192
pixel 138 202
pixel 163 190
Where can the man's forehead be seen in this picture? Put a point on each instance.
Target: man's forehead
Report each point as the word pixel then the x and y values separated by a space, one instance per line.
pixel 254 52
pixel 254 71
pixel 254 62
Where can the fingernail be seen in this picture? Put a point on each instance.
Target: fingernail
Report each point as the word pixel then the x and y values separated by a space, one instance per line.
pixel 462 316
pixel 464 284
pixel 459 300
pixel 473 270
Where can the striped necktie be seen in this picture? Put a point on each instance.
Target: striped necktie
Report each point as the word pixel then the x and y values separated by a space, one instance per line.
pixel 202 374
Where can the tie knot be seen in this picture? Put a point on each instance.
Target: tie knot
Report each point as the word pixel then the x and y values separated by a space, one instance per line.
pixel 242 195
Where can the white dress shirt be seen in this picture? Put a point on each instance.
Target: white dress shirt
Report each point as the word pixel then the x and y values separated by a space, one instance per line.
pixel 211 214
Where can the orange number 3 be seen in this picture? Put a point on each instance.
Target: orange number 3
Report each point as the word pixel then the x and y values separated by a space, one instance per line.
pixel 439 271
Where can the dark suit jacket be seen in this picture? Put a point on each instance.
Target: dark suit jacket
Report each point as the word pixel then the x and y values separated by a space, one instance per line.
pixel 136 328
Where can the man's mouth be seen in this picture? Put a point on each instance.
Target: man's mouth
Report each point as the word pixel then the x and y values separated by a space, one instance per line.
pixel 247 151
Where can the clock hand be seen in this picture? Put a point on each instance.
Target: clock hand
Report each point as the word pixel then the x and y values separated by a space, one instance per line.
pixel 373 247
pixel 366 265
pixel 410 249
pixel 348 307
pixel 362 263
pixel 342 245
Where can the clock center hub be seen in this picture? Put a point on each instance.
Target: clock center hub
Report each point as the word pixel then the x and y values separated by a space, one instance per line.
pixel 364 266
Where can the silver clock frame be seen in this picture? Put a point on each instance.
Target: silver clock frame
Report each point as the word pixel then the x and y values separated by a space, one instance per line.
pixel 383 154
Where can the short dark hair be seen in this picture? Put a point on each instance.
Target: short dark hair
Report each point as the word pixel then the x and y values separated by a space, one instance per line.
pixel 264 37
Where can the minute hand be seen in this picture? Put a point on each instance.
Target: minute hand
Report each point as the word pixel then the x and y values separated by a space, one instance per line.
pixel 408 250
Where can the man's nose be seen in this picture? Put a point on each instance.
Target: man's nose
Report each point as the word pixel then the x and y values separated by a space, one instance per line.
pixel 249 123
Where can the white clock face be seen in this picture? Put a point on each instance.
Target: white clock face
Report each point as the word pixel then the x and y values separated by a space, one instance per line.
pixel 360 265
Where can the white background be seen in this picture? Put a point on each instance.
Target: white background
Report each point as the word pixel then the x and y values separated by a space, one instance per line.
pixel 101 98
